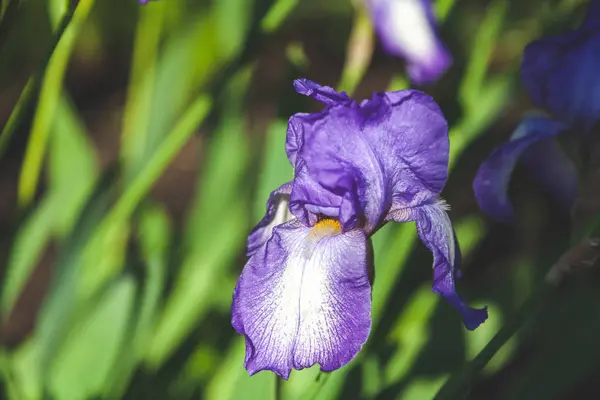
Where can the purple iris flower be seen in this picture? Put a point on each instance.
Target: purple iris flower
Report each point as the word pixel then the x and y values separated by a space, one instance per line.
pixel 304 296
pixel 561 75
pixel 407 28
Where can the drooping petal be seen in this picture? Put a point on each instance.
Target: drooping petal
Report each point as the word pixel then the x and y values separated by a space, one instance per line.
pixel 561 73
pixel 407 29
pixel 435 230
pixel 277 213
pixel 303 299
pixel 353 160
pixel 493 177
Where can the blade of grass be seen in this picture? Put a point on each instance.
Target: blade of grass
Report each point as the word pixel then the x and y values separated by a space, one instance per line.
pixel 31 88
pixel 141 86
pixel 359 51
pixel 48 100
pixel 477 65
pixel 277 15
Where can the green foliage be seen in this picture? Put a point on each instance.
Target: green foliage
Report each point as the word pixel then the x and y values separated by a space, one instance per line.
pixel 138 304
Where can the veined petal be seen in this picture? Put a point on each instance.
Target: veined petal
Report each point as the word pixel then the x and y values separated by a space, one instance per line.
pixel 352 161
pixel 407 29
pixel 436 232
pixel 493 177
pixel 304 298
pixel 409 134
pixel 561 73
pixel 277 213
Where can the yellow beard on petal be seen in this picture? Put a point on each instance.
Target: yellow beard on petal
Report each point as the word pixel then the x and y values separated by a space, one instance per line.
pixel 326 227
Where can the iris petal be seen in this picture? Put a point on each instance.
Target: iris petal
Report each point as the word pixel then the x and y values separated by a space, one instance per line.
pixel 493 177
pixel 409 134
pixel 407 29
pixel 361 158
pixel 324 94
pixel 561 73
pixel 277 213
pixel 436 232
pixel 304 299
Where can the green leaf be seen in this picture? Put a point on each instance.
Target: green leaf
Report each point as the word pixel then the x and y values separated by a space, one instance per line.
pixel 486 38
pixel 359 51
pixel 233 21
pixel 30 241
pixel 232 382
pixel 140 91
pixel 392 250
pixel 476 340
pixel 410 334
pixel 92 347
pixel 61 303
pixel 47 104
pixel 490 103
pixel 19 375
pixel 277 15
pixel 192 295
pixel 154 235
pixel 73 167
pixel 72 171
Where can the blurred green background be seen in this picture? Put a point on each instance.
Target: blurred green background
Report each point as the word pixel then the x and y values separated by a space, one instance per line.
pixel 138 148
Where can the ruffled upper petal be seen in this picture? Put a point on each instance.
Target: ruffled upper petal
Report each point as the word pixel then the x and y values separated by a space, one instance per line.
pixel 493 177
pixel 436 232
pixel 407 29
pixel 409 133
pixel 304 298
pixel 352 161
pixel 277 213
pixel 561 73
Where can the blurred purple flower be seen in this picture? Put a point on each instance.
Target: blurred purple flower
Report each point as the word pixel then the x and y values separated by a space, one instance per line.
pixel 407 28
pixel 304 296
pixel 561 75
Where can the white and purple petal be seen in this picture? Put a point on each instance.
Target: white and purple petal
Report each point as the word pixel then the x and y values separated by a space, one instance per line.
pixel 304 298
pixel 277 213
pixel 407 28
pixel 561 73
pixel 436 233
pixel 353 160
pixel 532 141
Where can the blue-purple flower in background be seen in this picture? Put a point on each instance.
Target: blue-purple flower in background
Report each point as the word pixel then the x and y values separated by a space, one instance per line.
pixel 304 296
pixel 407 28
pixel 561 75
